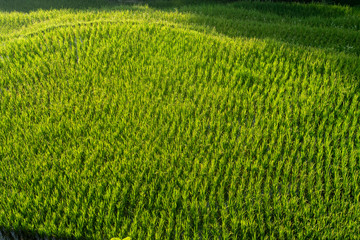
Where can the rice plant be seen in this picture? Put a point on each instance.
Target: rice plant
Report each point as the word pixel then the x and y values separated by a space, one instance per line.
pixel 206 122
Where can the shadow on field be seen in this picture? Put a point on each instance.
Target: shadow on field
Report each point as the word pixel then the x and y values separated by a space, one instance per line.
pixel 33 5
pixel 7 234
pixel 294 10
pixel 315 25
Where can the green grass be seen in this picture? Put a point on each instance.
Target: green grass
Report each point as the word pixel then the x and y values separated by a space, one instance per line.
pixel 205 121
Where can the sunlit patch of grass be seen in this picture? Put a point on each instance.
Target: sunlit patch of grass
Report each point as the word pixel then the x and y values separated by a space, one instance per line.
pixel 179 124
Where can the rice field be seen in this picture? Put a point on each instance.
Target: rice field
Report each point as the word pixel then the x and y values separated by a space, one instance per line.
pixel 207 121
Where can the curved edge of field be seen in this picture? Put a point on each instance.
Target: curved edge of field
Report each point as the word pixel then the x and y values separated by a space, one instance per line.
pixel 326 27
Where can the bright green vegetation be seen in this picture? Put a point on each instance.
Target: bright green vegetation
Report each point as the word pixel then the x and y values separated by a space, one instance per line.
pixel 205 122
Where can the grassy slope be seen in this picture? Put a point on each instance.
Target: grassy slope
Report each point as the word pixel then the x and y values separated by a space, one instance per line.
pixel 205 121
